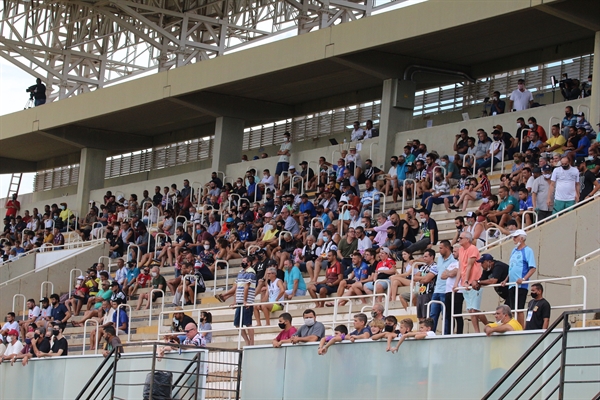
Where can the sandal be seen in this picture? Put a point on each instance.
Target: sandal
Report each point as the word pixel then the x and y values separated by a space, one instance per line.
pixel 220 298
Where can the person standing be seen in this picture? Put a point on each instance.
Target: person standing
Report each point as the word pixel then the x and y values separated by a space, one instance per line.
pixel 520 98
pixel 540 192
pixel 520 268
pixel 12 206
pixel 538 310
pixel 565 185
pixel 469 272
pixel 444 259
pixel 284 153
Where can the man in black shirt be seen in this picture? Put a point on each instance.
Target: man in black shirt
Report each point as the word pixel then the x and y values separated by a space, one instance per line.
pixel 38 92
pixel 369 172
pixel 60 347
pixel 39 344
pixel 494 272
pixel 538 310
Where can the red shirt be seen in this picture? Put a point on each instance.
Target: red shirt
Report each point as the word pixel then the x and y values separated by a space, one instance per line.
pixel 143 279
pixel 333 272
pixel 12 212
pixel 285 335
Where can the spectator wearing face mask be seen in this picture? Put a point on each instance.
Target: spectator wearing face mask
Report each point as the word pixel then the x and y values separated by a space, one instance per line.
pixel 565 186
pixel 311 331
pixel 538 309
pixel 520 98
pixel 540 192
pixel 158 282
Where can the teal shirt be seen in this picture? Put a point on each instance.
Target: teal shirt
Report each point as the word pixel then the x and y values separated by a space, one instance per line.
pixel 509 200
pixel 291 276
pixel 106 295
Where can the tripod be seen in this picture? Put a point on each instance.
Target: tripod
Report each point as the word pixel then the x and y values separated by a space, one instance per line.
pixel 30 103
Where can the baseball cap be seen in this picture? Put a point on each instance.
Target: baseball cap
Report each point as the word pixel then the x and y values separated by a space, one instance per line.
pixel 409 164
pixel 304 195
pixel 81 277
pixel 292 167
pixel 537 170
pixel 519 232
pixel 485 257
pixel 470 214
pixel 352 147
pixel 547 168
pixel 386 250
pixel 229 219
pixel 12 332
pixel 44 300
pixel 304 163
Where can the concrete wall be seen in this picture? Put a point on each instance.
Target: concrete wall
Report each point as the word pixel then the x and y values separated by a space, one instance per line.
pixel 58 274
pixel 591 270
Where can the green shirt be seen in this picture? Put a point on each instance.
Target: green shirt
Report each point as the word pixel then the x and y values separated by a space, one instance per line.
pixel 347 249
pixel 105 294
pixel 509 200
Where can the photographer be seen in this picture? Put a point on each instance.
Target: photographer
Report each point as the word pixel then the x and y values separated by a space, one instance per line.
pixel 498 105
pixel 569 88
pixel 37 92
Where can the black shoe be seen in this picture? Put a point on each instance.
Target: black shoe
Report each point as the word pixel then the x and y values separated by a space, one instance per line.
pixel 453 207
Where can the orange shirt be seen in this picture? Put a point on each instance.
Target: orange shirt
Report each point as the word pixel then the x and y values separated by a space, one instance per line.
pixel 463 258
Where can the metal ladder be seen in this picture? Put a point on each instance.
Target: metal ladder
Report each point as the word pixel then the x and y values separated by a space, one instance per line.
pixel 15 184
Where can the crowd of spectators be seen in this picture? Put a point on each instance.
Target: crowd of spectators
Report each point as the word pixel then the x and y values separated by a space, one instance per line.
pixel 279 232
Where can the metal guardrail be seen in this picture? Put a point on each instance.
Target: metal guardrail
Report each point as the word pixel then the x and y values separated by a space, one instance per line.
pixel 587 257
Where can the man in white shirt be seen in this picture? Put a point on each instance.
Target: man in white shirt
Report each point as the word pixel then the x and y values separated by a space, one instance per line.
pixel 14 346
pixel 9 325
pixel 285 150
pixel 494 152
pixel 121 274
pixel 357 133
pixel 34 311
pixel 268 181
pixel 565 185
pixel 521 98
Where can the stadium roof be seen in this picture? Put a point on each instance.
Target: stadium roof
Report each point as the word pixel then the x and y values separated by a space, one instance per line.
pixel 321 70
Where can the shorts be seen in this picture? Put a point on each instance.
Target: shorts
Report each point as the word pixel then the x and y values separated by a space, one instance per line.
pixel 156 295
pixel 246 316
pixel 276 307
pixel 302 267
pixel 282 167
pixel 510 301
pixel 330 289
pixel 384 283
pixel 472 299
pixel 406 296
pixel 478 195
pixel 422 301
pixel 299 292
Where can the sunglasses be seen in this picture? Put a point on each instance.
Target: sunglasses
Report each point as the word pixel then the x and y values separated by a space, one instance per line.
pixel 188 331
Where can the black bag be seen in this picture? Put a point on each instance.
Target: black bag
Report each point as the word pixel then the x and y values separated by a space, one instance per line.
pixel 162 387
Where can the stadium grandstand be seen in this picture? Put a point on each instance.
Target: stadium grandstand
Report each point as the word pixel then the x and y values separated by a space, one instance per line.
pixel 288 191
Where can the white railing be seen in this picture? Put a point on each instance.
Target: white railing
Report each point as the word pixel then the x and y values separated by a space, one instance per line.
pixel 18 295
pixel 533 214
pixel 281 236
pixel 285 303
pixel 587 257
pixel 501 159
pixel 371 150
pixel 443 313
pixel 204 208
pixel 71 279
pixel 183 290
pixel 440 168
pixel 137 253
pixel 474 161
pixel 581 305
pixel 349 299
pixel 524 132
pixel 85 335
pixel 217 262
pixel 541 221
pixel 42 285
pixel 128 322
pixel 98 231
pixel 414 193
pixel 294 178
pixel 231 195
pixel 162 306
pixel 340 219
pixel 312 224
pixel 156 242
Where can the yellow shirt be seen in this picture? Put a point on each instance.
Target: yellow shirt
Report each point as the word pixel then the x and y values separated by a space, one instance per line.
pixel 270 234
pixel 560 141
pixel 513 322
pixel 65 214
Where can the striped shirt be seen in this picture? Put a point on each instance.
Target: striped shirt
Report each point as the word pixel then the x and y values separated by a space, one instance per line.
pixel 245 277
pixel 486 188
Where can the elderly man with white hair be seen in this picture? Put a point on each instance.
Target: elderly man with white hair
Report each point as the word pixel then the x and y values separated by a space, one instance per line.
pixel 504 322
pixel 520 268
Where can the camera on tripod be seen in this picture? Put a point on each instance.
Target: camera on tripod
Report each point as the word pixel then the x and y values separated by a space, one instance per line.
pixel 563 83
pixel 32 91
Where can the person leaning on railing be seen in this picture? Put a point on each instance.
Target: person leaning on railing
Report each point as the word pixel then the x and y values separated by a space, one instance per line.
pixel 504 322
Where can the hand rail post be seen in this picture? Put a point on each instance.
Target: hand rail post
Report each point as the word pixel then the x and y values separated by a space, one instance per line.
pixel 371 149
pixel 162 306
pixel 414 195
pixel 226 274
pixel 46 283
pixel 533 213
pixel 195 288
pixel 137 253
pixel 465 160
pixel 312 225
pixel 381 196
pixel 24 303
pixel 84 335
pixel 71 279
pixel 294 177
pixel 340 219
pixel 443 313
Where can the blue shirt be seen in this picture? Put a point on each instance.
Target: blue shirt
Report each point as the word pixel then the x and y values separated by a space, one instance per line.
pixel 361 272
pixel 245 277
pixel 291 276
pixel 401 171
pixel 132 274
pixel 442 264
pixel 525 204
pixel 325 220
pixel 59 312
pixel 521 261
pixel 585 142
pixel 362 331
pixel 122 317
pixel 308 208
pixel 251 190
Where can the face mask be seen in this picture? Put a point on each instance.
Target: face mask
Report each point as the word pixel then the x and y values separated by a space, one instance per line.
pixel 390 235
pixel 443 163
pixel 36 336
pixel 175 321
pixel 309 321
pixel 438 178
pixel 373 314
pixel 422 220
pixel 154 274
pixel 388 328
pixel 281 326
pixel 8 339
pixel 325 239
pixel 579 119
pixel 206 247
pixel 265 176
pixel 27 341
pixel 368 166
pixel 62 207
pixel 79 281
pixel 393 163
pixel 238 184
pixel 499 321
pixel 531 126
pixel 568 115
pixel 547 176
pixel 244 265
pixel 565 167
pixel 534 295
pixel 518 126
pixel 55 332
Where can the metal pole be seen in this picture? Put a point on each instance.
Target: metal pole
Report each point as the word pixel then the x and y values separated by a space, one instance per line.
pixel 152 371
pixel 114 374
pixel 563 357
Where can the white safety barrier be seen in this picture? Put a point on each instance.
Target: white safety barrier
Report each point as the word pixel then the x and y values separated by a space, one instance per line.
pixel 18 295
pixel 85 335
pixel 128 322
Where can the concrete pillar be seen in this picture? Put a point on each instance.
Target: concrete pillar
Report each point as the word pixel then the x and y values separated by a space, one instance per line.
pixel 397 104
pixel 594 116
pixel 228 142
pixel 92 165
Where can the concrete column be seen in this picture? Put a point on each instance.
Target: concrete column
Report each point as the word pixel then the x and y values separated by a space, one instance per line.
pixel 92 164
pixel 397 104
pixel 228 142
pixel 594 116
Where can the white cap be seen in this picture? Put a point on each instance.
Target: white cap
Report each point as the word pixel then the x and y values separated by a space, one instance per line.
pixel 519 232
pixel 81 277
pixel 292 167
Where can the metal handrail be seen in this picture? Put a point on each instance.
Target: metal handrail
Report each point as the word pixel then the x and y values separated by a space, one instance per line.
pixel 128 322
pixel 162 307
pixel 156 241
pixel 204 208
pixel 349 300
pixel 546 280
pixel 183 281
pixel 222 173
pixel 198 197
pixel 75 213
pixel 587 257
pixel 217 262
pixel 312 225
pixel 501 159
pixel 443 312
pixel 280 183
pixel 436 167
pixel 318 172
pixel 467 155
pixel 281 237
pixel 488 235
pixel 523 132
pixel 533 213
pixel 46 283
pixel 239 199
pixel 332 154
pixel 99 231
pixel 340 218
pixel 84 335
pixel 24 303
pixel 579 107
pixel 371 149
pixel 382 196
pixel 539 222
pixel 294 177
pixel 71 279
pixel 414 195
pixel 137 253
pixel 251 247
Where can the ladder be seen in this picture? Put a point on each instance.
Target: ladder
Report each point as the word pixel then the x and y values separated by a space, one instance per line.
pixel 13 187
